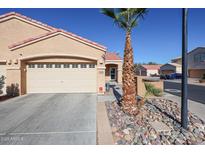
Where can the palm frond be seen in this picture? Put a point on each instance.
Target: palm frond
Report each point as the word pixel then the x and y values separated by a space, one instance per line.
pixel 126 18
pixel 109 12
pixel 122 24
pixel 133 22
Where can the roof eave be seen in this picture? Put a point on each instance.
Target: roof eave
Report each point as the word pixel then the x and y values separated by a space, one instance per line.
pixel 26 19
pixel 52 34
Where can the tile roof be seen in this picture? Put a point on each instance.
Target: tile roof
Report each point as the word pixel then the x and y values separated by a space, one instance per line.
pixel 176 58
pixel 57 31
pixel 52 31
pixel 175 64
pixel 14 45
pixel 152 67
pixel 112 56
pixel 14 14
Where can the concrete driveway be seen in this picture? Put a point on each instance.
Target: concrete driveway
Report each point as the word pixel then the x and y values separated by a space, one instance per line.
pixel 49 119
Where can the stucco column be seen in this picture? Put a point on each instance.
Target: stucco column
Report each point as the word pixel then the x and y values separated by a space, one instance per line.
pixel 101 79
pixel 119 76
pixel 13 74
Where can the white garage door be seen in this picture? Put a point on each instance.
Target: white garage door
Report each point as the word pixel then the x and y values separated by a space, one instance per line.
pixel 61 78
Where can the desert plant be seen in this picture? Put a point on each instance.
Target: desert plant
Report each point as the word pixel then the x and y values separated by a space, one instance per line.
pixel 127 19
pixel 2 82
pixel 157 92
pixel 152 90
pixel 12 90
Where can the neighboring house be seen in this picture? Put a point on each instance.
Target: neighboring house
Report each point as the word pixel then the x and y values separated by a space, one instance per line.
pixel 170 68
pixel 196 62
pixel 44 59
pixel 148 70
pixel 177 60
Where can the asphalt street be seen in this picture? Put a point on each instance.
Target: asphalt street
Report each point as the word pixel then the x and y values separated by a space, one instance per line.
pixel 195 92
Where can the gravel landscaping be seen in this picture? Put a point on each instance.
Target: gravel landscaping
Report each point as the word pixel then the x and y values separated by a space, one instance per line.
pixel 157 124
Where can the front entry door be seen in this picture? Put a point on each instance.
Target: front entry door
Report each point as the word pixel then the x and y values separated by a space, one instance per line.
pixel 113 73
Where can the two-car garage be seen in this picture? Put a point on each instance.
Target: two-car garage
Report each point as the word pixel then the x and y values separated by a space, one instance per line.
pixel 61 78
pixel 50 60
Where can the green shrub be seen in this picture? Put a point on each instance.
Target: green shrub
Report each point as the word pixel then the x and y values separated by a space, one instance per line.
pixel 2 82
pixel 152 90
pixel 12 90
pixel 157 92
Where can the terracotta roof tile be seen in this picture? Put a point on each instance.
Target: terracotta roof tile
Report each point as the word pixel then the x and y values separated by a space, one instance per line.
pixel 57 31
pixel 53 30
pixel 26 18
pixel 174 64
pixel 30 39
pixel 81 38
pixel 112 56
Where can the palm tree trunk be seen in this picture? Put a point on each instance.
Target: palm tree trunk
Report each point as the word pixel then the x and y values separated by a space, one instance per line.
pixel 129 92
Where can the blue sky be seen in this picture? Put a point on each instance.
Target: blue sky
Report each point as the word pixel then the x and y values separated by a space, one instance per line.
pixel 157 38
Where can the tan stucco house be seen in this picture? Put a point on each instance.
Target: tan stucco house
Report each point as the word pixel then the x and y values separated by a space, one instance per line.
pixel 177 60
pixel 196 62
pixel 44 59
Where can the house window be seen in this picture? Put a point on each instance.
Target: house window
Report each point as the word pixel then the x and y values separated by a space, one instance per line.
pixel 83 66
pixel 57 65
pixel 91 65
pixel 200 57
pixel 203 57
pixel 196 58
pixel 31 66
pixel 49 65
pixel 40 66
pixel 66 66
pixel 75 66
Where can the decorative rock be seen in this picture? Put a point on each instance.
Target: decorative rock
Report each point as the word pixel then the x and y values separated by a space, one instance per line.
pixel 130 126
pixel 121 142
pixel 196 131
pixel 177 142
pixel 118 134
pixel 144 141
pixel 201 135
pixel 126 131
pixel 152 136
pixel 114 129
pixel 199 140
pixel 160 127
pixel 203 143
pixel 140 129
pixel 128 138
pixel 189 142
pixel 200 126
pixel 195 120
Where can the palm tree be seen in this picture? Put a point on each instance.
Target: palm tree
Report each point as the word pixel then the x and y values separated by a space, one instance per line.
pixel 127 19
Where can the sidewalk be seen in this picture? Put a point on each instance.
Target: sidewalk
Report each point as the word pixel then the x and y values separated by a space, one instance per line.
pixel 191 81
pixel 194 107
pixel 104 132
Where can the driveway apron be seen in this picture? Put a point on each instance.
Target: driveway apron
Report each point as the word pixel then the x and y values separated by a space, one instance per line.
pixel 49 119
